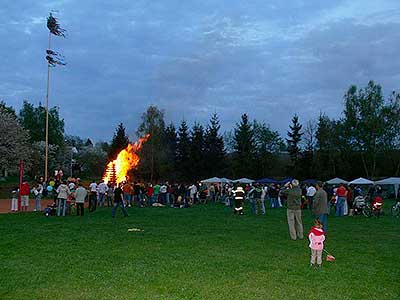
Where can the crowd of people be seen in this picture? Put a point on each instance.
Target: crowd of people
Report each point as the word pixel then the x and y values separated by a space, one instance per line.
pixel 70 195
pixel 66 195
pixel 102 194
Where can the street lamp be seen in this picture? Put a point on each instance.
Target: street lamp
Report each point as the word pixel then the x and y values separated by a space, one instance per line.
pixel 72 151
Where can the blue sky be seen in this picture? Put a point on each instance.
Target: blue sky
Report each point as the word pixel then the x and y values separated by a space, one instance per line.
pixel 270 59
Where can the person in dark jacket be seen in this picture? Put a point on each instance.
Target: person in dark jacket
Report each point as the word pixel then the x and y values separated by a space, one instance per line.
pixel 320 205
pixel 118 201
pixel 293 193
pixel 255 199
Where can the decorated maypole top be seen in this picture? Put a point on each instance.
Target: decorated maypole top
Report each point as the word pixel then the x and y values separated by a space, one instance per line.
pixel 54 58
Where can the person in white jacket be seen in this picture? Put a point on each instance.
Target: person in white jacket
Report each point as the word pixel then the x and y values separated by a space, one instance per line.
pixel 193 193
pixel 62 195
pixel 317 238
pixel 38 191
pixel 80 196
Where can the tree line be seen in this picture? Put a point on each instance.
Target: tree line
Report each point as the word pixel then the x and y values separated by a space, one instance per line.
pixel 364 141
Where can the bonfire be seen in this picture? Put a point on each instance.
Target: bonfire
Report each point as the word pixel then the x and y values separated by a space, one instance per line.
pixel 127 159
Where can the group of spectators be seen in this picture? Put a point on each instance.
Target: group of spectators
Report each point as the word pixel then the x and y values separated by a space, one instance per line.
pixel 289 195
pixel 319 199
pixel 342 198
pixel 65 192
pixel 70 193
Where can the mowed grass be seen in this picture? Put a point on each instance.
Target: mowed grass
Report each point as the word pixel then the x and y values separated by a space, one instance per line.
pixel 204 252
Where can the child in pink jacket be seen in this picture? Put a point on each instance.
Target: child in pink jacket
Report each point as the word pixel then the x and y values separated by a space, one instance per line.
pixel 317 238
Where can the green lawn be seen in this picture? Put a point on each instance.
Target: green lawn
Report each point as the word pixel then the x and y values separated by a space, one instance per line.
pixel 197 253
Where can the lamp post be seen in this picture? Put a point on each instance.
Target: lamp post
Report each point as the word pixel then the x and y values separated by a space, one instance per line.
pixel 73 151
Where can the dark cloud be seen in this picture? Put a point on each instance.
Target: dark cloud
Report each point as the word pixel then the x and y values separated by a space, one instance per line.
pixel 191 58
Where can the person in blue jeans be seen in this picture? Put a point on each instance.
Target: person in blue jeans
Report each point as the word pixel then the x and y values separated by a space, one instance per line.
pixel 340 206
pixel 341 193
pixel 62 195
pixel 118 202
pixel 273 195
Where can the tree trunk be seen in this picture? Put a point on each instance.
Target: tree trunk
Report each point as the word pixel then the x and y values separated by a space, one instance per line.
pixel 364 165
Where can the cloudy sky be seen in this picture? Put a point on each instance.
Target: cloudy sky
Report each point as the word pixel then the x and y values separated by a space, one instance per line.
pixel 192 58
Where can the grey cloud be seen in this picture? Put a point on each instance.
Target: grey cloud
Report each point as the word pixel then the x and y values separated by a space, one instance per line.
pixel 191 58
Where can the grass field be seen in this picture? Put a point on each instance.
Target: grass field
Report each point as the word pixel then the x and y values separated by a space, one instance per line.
pixel 197 253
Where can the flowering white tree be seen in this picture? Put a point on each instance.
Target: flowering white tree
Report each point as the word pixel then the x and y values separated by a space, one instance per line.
pixel 14 143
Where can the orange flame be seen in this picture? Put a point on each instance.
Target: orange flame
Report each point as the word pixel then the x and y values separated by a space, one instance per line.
pixel 126 160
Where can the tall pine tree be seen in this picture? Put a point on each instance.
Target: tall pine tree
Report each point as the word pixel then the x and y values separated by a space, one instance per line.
pixel 245 149
pixel 183 152
pixel 294 143
pixel 197 152
pixel 119 142
pixel 171 140
pixel 214 149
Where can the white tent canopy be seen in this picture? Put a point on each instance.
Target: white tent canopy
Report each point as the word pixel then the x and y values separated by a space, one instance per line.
pixel 212 180
pixel 391 180
pixel 244 180
pixel 337 180
pixel 361 181
pixel 226 180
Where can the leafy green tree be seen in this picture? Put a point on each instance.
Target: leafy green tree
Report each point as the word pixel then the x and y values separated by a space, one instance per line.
pixel 55 159
pixel 307 160
pixel 8 109
pixel 326 148
pixel 153 157
pixel 214 149
pixel 369 124
pixel 105 146
pixel 120 141
pixel 268 143
pixel 91 162
pixel 390 156
pixel 74 141
pixel 244 157
pixel 33 119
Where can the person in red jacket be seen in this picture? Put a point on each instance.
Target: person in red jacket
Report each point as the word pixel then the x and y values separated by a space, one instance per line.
pixel 341 193
pixel 150 194
pixel 24 192
pixel 317 238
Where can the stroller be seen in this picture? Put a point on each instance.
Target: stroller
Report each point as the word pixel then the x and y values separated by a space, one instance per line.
pixel 360 205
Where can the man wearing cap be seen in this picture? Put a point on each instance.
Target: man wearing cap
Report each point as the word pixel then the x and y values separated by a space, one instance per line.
pixel 293 193
pixel 320 205
pixel 310 195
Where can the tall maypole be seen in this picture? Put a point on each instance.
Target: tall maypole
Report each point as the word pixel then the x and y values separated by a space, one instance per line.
pixel 53 58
